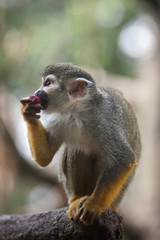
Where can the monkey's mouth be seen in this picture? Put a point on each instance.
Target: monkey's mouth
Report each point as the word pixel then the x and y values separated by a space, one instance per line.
pixel 44 104
pixel 43 98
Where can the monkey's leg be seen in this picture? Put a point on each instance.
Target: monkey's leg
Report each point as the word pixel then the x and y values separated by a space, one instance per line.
pixel 103 196
pixel 81 177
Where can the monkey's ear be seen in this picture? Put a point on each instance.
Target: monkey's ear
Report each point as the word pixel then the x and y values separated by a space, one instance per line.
pixel 79 87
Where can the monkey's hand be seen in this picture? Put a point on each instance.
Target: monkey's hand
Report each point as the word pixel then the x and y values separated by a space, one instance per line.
pixel 90 211
pixel 83 211
pixel 30 109
pixel 75 210
pixel 37 135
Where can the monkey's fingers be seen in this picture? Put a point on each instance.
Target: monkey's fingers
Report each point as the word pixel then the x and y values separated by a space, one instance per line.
pixel 33 108
pixel 29 111
pixel 73 215
pixel 25 100
pixel 76 210
pixel 88 217
pixel 31 116
pixel 91 211
pixel 36 106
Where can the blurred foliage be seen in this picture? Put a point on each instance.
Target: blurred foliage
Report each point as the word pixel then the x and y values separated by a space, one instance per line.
pixel 18 198
pixel 23 195
pixel 35 33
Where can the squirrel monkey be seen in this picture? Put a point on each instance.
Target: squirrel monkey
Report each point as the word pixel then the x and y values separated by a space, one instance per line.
pixel 99 130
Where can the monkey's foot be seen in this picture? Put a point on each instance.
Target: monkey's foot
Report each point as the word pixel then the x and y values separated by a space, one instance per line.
pixel 84 211
pixel 75 210
pixel 90 212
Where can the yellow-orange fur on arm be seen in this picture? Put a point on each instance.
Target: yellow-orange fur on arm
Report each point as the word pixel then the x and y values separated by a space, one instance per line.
pixel 86 209
pixel 38 142
pixel 100 200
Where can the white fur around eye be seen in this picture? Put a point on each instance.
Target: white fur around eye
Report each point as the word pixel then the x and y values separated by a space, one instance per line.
pixel 51 76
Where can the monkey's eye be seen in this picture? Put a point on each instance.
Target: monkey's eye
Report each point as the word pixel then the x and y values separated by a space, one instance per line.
pixel 47 83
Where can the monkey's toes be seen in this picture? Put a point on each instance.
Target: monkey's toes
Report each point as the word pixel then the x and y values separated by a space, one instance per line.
pixel 75 211
pixel 73 214
pixel 88 217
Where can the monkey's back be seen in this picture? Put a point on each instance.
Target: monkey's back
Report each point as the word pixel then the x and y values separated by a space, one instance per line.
pixel 121 113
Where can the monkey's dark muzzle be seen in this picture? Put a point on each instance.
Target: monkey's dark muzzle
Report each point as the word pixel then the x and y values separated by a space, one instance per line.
pixel 44 98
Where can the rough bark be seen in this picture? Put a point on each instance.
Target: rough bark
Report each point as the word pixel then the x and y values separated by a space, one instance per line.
pixel 54 225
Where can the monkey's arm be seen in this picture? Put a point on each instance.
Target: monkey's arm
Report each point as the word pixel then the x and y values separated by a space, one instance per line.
pixel 40 147
pixel 105 194
pixel 107 189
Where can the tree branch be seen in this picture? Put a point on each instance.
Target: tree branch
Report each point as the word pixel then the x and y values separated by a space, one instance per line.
pixel 54 225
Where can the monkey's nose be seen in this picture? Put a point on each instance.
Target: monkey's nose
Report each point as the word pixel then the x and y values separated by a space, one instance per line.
pixel 43 96
pixel 37 93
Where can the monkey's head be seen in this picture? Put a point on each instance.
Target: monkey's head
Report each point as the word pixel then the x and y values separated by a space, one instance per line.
pixel 63 84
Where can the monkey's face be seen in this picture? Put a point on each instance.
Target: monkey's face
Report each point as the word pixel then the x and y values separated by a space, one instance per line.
pixel 53 95
pixel 62 85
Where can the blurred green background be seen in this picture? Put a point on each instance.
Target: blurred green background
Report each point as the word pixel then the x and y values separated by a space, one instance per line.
pixel 36 33
pixel 117 41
